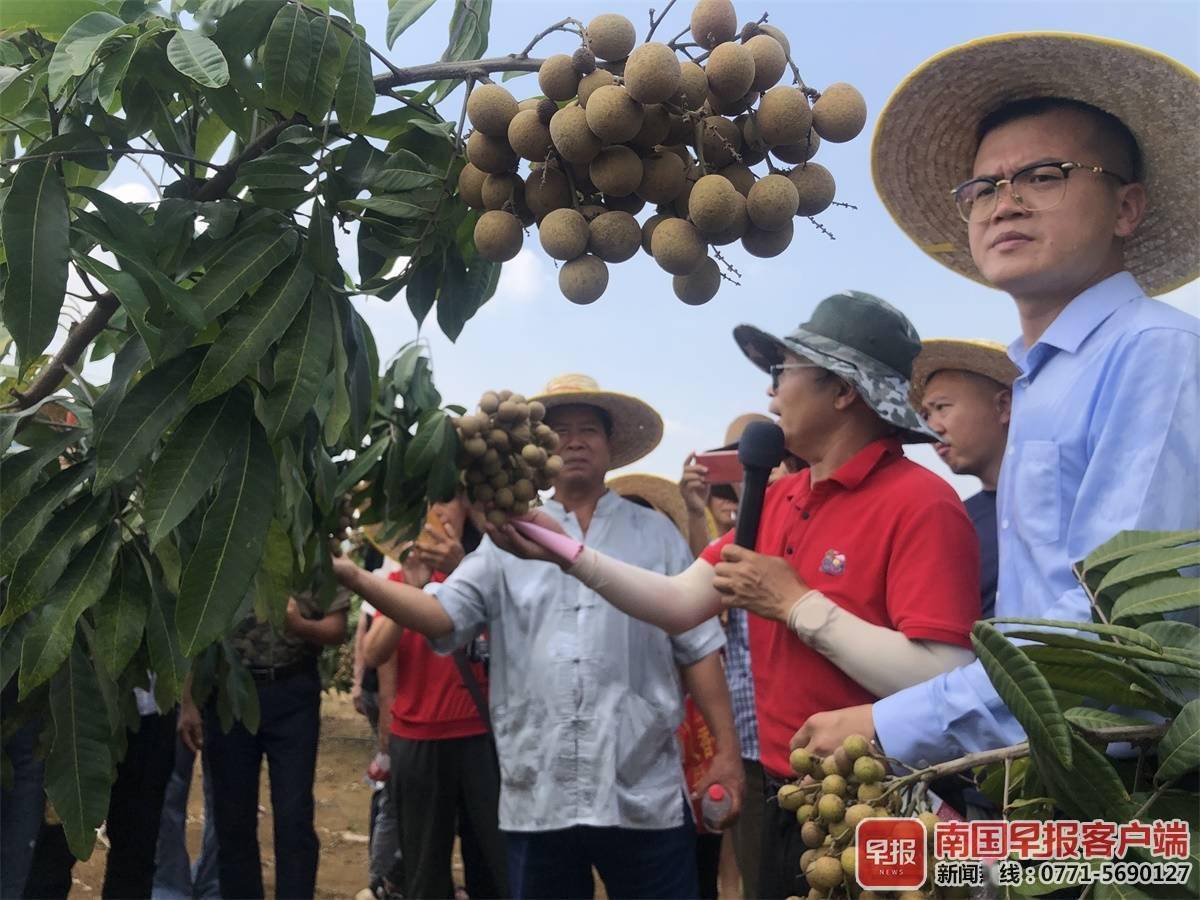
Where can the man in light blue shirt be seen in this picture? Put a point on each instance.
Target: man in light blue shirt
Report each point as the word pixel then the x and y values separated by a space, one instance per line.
pixel 585 700
pixel 1104 434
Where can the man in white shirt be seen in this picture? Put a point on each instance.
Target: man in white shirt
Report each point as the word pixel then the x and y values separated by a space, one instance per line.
pixel 585 700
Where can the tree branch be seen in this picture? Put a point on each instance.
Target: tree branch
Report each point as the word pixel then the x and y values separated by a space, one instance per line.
pixel 457 71
pixel 1131 733
pixel 655 22
pixel 111 151
pixel 560 25
pixel 51 377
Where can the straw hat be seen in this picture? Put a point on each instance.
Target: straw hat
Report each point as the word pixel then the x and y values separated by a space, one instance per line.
pixel 661 493
pixel 636 427
pixel 925 139
pixel 733 433
pixel 986 358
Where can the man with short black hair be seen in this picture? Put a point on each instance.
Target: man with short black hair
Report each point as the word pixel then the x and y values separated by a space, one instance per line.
pixel 1079 201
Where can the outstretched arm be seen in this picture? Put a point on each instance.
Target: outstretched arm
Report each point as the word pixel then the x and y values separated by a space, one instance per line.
pixel 408 606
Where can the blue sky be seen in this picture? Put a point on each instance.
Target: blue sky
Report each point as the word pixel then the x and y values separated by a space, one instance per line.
pixel 638 338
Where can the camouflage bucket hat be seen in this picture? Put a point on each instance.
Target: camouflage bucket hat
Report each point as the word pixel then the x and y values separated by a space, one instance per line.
pixel 861 338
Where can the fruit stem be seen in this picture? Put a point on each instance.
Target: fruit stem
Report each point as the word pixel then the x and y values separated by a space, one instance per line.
pixel 561 25
pixel 654 23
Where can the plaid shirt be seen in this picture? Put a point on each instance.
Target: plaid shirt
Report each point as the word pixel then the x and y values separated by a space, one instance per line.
pixel 741 685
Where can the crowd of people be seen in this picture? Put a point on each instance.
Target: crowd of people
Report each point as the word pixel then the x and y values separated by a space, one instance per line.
pixel 531 702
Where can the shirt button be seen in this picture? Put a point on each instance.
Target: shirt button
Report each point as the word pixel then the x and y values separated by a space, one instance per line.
pixel 1010 451
pixel 1004 524
pixel 791 550
pixel 804 515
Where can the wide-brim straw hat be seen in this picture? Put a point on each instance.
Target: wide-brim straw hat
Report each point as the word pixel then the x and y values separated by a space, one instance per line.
pixel 661 493
pixel 986 358
pixel 925 139
pixel 636 427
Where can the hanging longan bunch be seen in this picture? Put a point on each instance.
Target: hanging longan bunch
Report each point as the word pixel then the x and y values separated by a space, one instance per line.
pixel 507 454
pixel 639 145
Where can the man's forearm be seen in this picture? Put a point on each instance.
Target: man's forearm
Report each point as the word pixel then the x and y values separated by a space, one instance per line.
pixel 404 604
pixel 675 603
pixel 697 535
pixel 705 682
pixel 324 632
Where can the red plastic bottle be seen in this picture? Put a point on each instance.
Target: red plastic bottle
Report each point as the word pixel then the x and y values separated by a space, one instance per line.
pixel 715 806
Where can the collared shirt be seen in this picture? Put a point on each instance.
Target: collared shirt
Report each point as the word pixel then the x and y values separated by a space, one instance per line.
pixel 740 681
pixel 585 700
pixel 885 539
pixel 1104 438
pixel 982 509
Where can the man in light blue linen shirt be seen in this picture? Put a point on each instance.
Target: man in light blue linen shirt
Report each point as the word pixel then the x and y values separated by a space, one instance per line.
pixel 585 700
pixel 1078 214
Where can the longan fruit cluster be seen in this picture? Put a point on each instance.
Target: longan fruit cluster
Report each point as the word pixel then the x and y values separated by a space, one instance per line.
pixel 646 126
pixel 507 454
pixel 830 797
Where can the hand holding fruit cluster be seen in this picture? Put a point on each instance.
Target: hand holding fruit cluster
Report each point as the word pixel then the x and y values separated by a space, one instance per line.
pixel 647 127
pixel 830 798
pixel 506 454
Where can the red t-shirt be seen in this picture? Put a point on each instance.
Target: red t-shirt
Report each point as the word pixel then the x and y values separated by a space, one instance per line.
pixel 882 537
pixel 432 703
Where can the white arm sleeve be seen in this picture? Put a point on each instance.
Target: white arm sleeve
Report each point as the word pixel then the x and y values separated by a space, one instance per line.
pixel 675 603
pixel 881 659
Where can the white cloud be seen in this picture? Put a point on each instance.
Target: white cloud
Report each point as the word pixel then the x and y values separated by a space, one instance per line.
pixel 133 192
pixel 522 281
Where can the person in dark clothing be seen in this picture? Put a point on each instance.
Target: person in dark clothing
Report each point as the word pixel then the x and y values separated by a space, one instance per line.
pixel 132 821
pixel 963 389
pixel 284 666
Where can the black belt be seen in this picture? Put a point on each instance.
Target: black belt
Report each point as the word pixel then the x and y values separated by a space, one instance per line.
pixel 279 673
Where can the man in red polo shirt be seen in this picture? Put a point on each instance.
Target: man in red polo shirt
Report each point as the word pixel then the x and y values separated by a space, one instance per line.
pixel 864 577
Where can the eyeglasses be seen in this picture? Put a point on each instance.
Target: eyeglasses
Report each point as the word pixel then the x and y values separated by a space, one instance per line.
pixel 778 368
pixel 1035 189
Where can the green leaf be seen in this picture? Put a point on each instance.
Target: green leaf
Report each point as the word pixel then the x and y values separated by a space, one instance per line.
pixel 79 765
pixel 401 14
pixel 1179 752
pixel 1096 676
pixel 1130 543
pixel 286 60
pixel 36 236
pixel 1173 634
pixel 25 520
pixel 363 463
pixel 320 251
pixel 257 324
pixel 428 444
pixel 230 548
pixel 121 615
pixel 272 581
pixel 20 471
pixel 422 289
pixel 78 46
pixel 41 565
pixel 1161 596
pixel 1092 719
pixel 339 410
pixel 468 39
pixel 1024 691
pixel 53 632
pixel 198 58
pixel 129 359
pixel 167 661
pixel 1107 648
pixel 243 264
pixel 237 698
pixel 149 409
pixel 191 461
pixel 300 366
pixel 403 171
pixel 327 53
pixel 1131 635
pixel 112 72
pixel 463 293
pixel 1152 562
pixel 355 97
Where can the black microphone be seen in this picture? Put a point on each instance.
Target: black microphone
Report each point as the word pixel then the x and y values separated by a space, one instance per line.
pixel 760 449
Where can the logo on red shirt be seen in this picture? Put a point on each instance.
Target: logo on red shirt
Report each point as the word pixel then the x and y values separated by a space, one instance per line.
pixel 834 563
pixel 891 854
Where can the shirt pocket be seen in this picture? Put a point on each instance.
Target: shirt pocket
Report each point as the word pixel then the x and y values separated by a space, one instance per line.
pixel 1037 493
pixel 640 738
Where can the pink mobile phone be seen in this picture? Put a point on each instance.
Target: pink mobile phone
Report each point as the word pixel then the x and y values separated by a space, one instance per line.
pixel 723 466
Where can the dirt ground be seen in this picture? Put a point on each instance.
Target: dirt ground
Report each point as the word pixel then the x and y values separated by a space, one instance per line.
pixel 342 799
